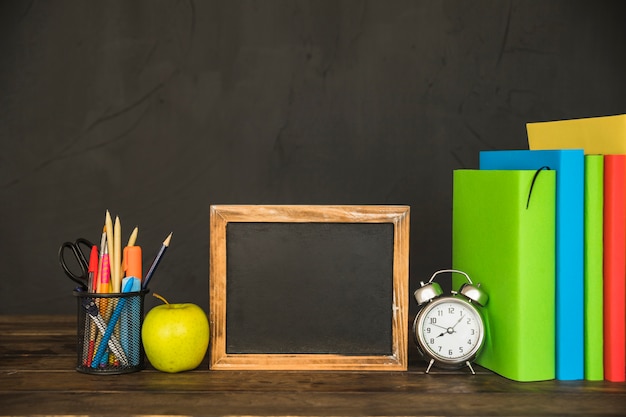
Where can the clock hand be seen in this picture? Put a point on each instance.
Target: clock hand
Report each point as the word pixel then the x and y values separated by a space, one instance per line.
pixel 449 330
pixel 457 322
pixel 441 327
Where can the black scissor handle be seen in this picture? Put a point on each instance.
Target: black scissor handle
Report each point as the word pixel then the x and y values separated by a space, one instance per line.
pixel 88 245
pixel 80 258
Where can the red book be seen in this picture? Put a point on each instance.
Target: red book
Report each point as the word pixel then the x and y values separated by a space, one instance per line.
pixel 615 268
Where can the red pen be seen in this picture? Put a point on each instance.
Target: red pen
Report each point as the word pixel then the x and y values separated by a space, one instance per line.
pixel 93 267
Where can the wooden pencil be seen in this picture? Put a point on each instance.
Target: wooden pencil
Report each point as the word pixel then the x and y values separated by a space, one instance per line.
pixel 117 256
pixel 109 229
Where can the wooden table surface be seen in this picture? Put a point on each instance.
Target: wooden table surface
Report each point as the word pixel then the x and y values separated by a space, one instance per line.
pixel 37 377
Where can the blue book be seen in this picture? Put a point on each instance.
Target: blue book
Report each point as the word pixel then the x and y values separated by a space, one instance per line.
pixel 570 167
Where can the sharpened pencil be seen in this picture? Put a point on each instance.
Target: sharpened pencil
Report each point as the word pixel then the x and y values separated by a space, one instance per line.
pixel 157 260
pixel 109 229
pixel 116 273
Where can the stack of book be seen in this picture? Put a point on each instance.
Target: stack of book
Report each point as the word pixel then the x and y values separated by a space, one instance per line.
pixel 544 231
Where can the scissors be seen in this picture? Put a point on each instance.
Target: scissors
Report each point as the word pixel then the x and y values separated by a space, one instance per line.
pixel 80 259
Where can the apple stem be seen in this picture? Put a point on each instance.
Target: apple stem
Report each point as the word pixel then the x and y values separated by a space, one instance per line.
pixel 160 297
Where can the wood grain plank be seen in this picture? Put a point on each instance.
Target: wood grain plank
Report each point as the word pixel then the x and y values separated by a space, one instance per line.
pixel 37 376
pixel 30 363
pixel 200 381
pixel 320 404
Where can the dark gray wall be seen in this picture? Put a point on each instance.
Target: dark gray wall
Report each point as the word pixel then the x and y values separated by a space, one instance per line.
pixel 157 109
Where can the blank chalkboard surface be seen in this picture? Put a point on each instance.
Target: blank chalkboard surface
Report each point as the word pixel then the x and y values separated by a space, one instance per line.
pixel 309 287
pixel 325 272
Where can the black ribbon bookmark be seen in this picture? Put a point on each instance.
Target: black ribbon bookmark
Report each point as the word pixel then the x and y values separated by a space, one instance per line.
pixel 532 184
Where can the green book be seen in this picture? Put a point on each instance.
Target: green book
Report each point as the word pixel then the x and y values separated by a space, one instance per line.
pixel 503 236
pixel 593 274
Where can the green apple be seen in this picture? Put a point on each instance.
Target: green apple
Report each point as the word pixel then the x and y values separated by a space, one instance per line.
pixel 175 336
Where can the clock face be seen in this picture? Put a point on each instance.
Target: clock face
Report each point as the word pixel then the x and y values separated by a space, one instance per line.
pixel 449 330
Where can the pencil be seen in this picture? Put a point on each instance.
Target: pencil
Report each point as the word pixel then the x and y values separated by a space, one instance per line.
pixel 109 229
pixel 92 341
pixel 157 259
pixel 105 277
pixel 133 237
pixel 117 255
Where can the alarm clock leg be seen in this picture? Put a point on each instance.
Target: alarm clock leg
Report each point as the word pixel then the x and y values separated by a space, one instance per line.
pixel 469 365
pixel 429 366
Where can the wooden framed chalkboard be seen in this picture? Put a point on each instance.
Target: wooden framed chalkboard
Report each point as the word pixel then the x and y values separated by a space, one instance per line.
pixel 309 287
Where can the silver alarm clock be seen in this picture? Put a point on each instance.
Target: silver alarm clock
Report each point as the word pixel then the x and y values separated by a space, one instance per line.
pixel 449 329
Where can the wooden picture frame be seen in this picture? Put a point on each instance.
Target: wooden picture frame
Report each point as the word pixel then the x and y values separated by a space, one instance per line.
pixel 234 228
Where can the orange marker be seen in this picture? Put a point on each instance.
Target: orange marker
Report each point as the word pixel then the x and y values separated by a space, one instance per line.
pixel 132 267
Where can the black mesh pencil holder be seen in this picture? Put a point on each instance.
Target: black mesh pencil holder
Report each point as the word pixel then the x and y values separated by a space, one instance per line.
pixel 109 332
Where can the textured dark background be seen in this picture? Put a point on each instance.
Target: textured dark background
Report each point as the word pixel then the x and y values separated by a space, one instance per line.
pixel 157 109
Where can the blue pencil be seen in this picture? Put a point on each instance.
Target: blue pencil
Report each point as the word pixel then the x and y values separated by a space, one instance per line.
pixel 155 263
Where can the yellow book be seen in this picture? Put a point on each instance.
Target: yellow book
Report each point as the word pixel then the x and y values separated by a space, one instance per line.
pixel 596 135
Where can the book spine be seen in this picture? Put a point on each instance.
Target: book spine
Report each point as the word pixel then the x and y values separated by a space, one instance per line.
pixel 594 195
pixel 614 268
